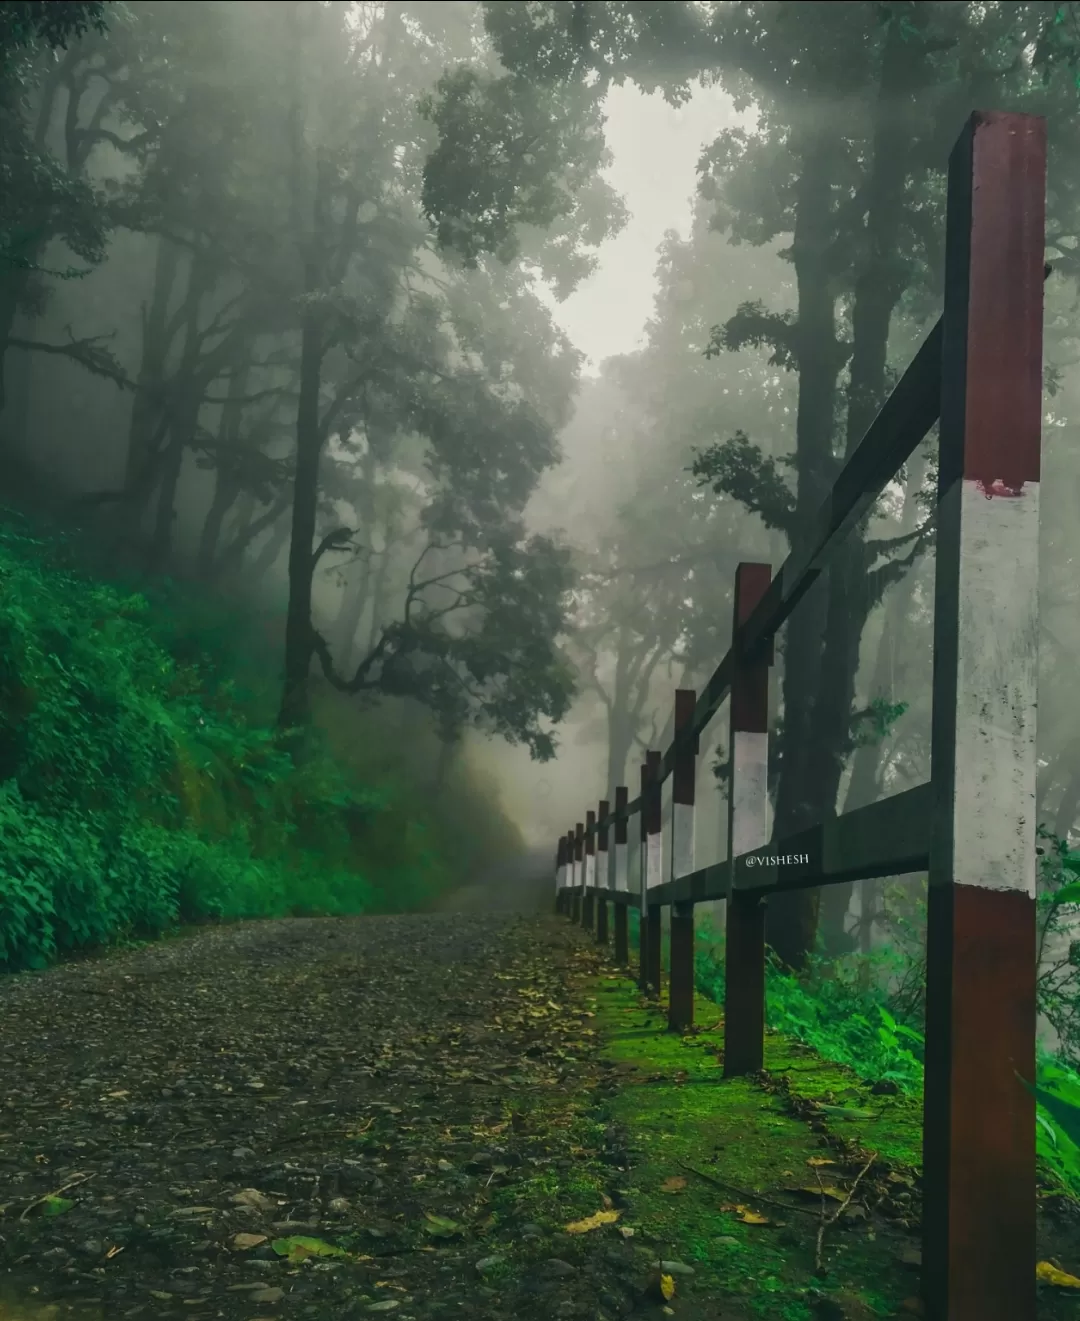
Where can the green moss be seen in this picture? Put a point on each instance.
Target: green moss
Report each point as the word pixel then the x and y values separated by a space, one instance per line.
pixel 681 1116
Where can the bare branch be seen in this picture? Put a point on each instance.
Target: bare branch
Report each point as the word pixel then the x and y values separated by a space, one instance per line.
pixel 339 539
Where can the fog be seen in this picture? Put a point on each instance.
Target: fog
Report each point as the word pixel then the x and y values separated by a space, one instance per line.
pixel 552 390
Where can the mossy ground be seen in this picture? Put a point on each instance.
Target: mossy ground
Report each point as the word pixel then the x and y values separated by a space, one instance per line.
pixel 681 1116
pixel 697 1163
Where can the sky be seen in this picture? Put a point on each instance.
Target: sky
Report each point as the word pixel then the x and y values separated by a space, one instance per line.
pixel 655 150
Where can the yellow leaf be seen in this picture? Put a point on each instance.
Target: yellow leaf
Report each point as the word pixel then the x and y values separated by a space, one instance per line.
pixel 243 1241
pixel 820 1160
pixel 1050 1274
pixel 675 1184
pixel 826 1190
pixel 592 1222
pixel 667 1287
pixel 747 1216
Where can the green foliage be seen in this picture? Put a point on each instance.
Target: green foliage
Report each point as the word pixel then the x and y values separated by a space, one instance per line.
pixel 875 723
pixel 141 784
pixel 847 1016
pixel 513 153
pixel 1057 899
pixel 54 23
pixel 737 468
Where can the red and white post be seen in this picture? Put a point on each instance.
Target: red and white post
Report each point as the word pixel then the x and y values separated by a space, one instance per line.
pixel 748 829
pixel 643 881
pixel 654 861
pixel 589 898
pixel 622 943
pixel 979 1195
pixel 603 880
pixel 579 869
pixel 681 986
pixel 560 872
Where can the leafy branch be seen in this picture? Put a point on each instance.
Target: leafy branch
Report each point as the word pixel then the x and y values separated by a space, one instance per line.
pixel 739 469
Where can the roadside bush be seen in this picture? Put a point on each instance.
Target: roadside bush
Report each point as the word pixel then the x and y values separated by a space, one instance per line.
pixel 142 783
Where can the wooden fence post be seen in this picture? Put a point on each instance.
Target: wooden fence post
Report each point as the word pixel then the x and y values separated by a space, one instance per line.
pixel 588 905
pixel 979 1192
pixel 579 869
pixel 571 873
pixel 622 944
pixel 560 872
pixel 655 862
pixel 603 880
pixel 748 809
pixel 681 980
pixel 643 880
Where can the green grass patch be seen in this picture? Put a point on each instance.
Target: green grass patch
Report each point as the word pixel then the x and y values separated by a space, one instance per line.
pixel 682 1117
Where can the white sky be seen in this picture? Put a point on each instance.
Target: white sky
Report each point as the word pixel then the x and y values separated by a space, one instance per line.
pixel 656 150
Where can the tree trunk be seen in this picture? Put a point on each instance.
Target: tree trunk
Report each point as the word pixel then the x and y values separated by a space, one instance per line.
pixel 379 590
pixel 863 786
pixel 295 697
pixel 448 749
pixel 149 402
pixel 226 492
pixel 184 418
pixel 267 557
pixel 620 724
pixel 879 285
pixel 354 596
pixel 1069 805
pixel 792 918
pixel 226 486
pixel 15 281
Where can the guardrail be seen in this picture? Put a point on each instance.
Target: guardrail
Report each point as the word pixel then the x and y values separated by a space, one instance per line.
pixel 972 826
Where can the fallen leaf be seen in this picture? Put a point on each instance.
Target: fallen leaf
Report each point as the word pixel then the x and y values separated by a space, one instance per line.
pixel 55 1206
pixel 592 1222
pixel 820 1160
pixel 243 1241
pixel 825 1190
pixel 1050 1274
pixel 660 1287
pixel 440 1226
pixel 252 1197
pixel 627 1231
pixel 675 1184
pixel 298 1247
pixel 744 1214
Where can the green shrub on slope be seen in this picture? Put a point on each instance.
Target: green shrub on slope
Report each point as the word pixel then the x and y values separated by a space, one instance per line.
pixel 141 783
pixel 847 1019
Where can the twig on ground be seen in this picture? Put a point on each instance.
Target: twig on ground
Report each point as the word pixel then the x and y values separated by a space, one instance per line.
pixel 819 1246
pixel 40 1201
pixel 750 1197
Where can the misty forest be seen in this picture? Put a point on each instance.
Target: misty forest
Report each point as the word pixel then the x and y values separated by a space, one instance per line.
pixel 370 480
